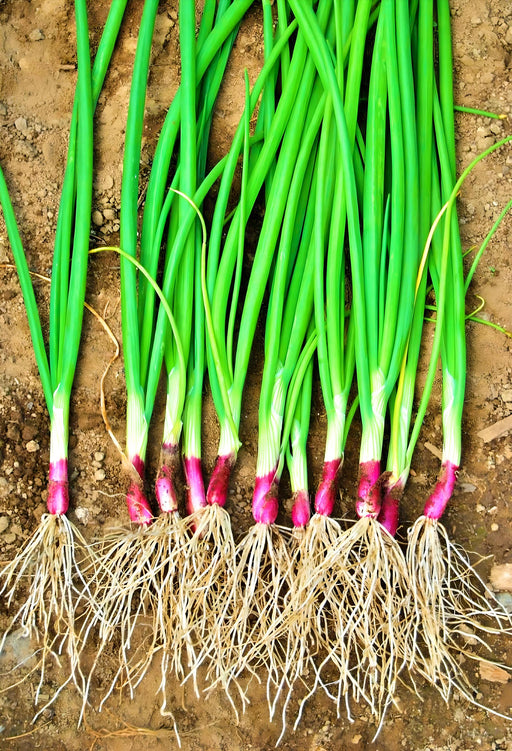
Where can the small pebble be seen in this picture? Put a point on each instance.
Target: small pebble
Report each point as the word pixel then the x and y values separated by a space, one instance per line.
pixel 494 527
pixel 4 523
pixel 20 124
pixel 32 446
pixel 484 143
pixel 29 432
pixel 3 109
pixel 487 77
pixel 505 600
pixel 82 514
pixel 467 487
pixel 501 577
pixel 99 456
pixel 109 214
pixel 506 395
pixel 97 218
pixel 479 508
pixel 99 475
pixel 36 35
pixel 9 539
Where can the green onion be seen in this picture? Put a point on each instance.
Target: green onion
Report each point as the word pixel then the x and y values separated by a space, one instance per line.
pixel 125 571
pixel 187 293
pixel 449 595
pixel 49 557
pixel 229 374
pixel 136 424
pixel 365 558
pixel 262 564
pixel 212 548
pixel 148 561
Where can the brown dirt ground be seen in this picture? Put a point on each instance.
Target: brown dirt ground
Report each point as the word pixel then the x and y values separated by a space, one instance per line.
pixel 37 79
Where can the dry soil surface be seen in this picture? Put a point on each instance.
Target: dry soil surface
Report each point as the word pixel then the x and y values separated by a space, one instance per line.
pixel 37 77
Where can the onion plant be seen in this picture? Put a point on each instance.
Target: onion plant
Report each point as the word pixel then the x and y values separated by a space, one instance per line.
pixel 177 628
pixel 211 553
pixel 312 598
pixel 309 603
pixel 146 565
pixel 450 597
pixel 296 454
pixel 201 568
pixel 190 622
pixel 370 563
pixel 145 340
pixel 50 559
pixel 182 284
pixel 229 375
pixel 415 239
pixel 125 569
pixel 196 118
pixel 228 364
pixel 140 564
pixel 262 566
pixel 447 596
pixel 262 551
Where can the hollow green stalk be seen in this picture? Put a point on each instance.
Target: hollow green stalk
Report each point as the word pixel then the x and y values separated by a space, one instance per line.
pixel 187 294
pixel 48 558
pixel 208 46
pixel 225 167
pixel 336 367
pixel 292 104
pixel 136 423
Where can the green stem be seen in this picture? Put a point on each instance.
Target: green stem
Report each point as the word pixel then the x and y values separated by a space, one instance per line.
pixel 441 297
pixel 78 275
pixel 481 113
pixel 129 199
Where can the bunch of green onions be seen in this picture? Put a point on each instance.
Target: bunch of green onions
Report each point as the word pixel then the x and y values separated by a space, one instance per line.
pixel 369 626
pixel 140 564
pixel 357 171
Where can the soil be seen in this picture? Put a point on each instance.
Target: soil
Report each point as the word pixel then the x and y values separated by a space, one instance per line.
pixel 37 78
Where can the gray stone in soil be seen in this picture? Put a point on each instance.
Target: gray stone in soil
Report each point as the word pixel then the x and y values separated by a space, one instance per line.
pixel 505 599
